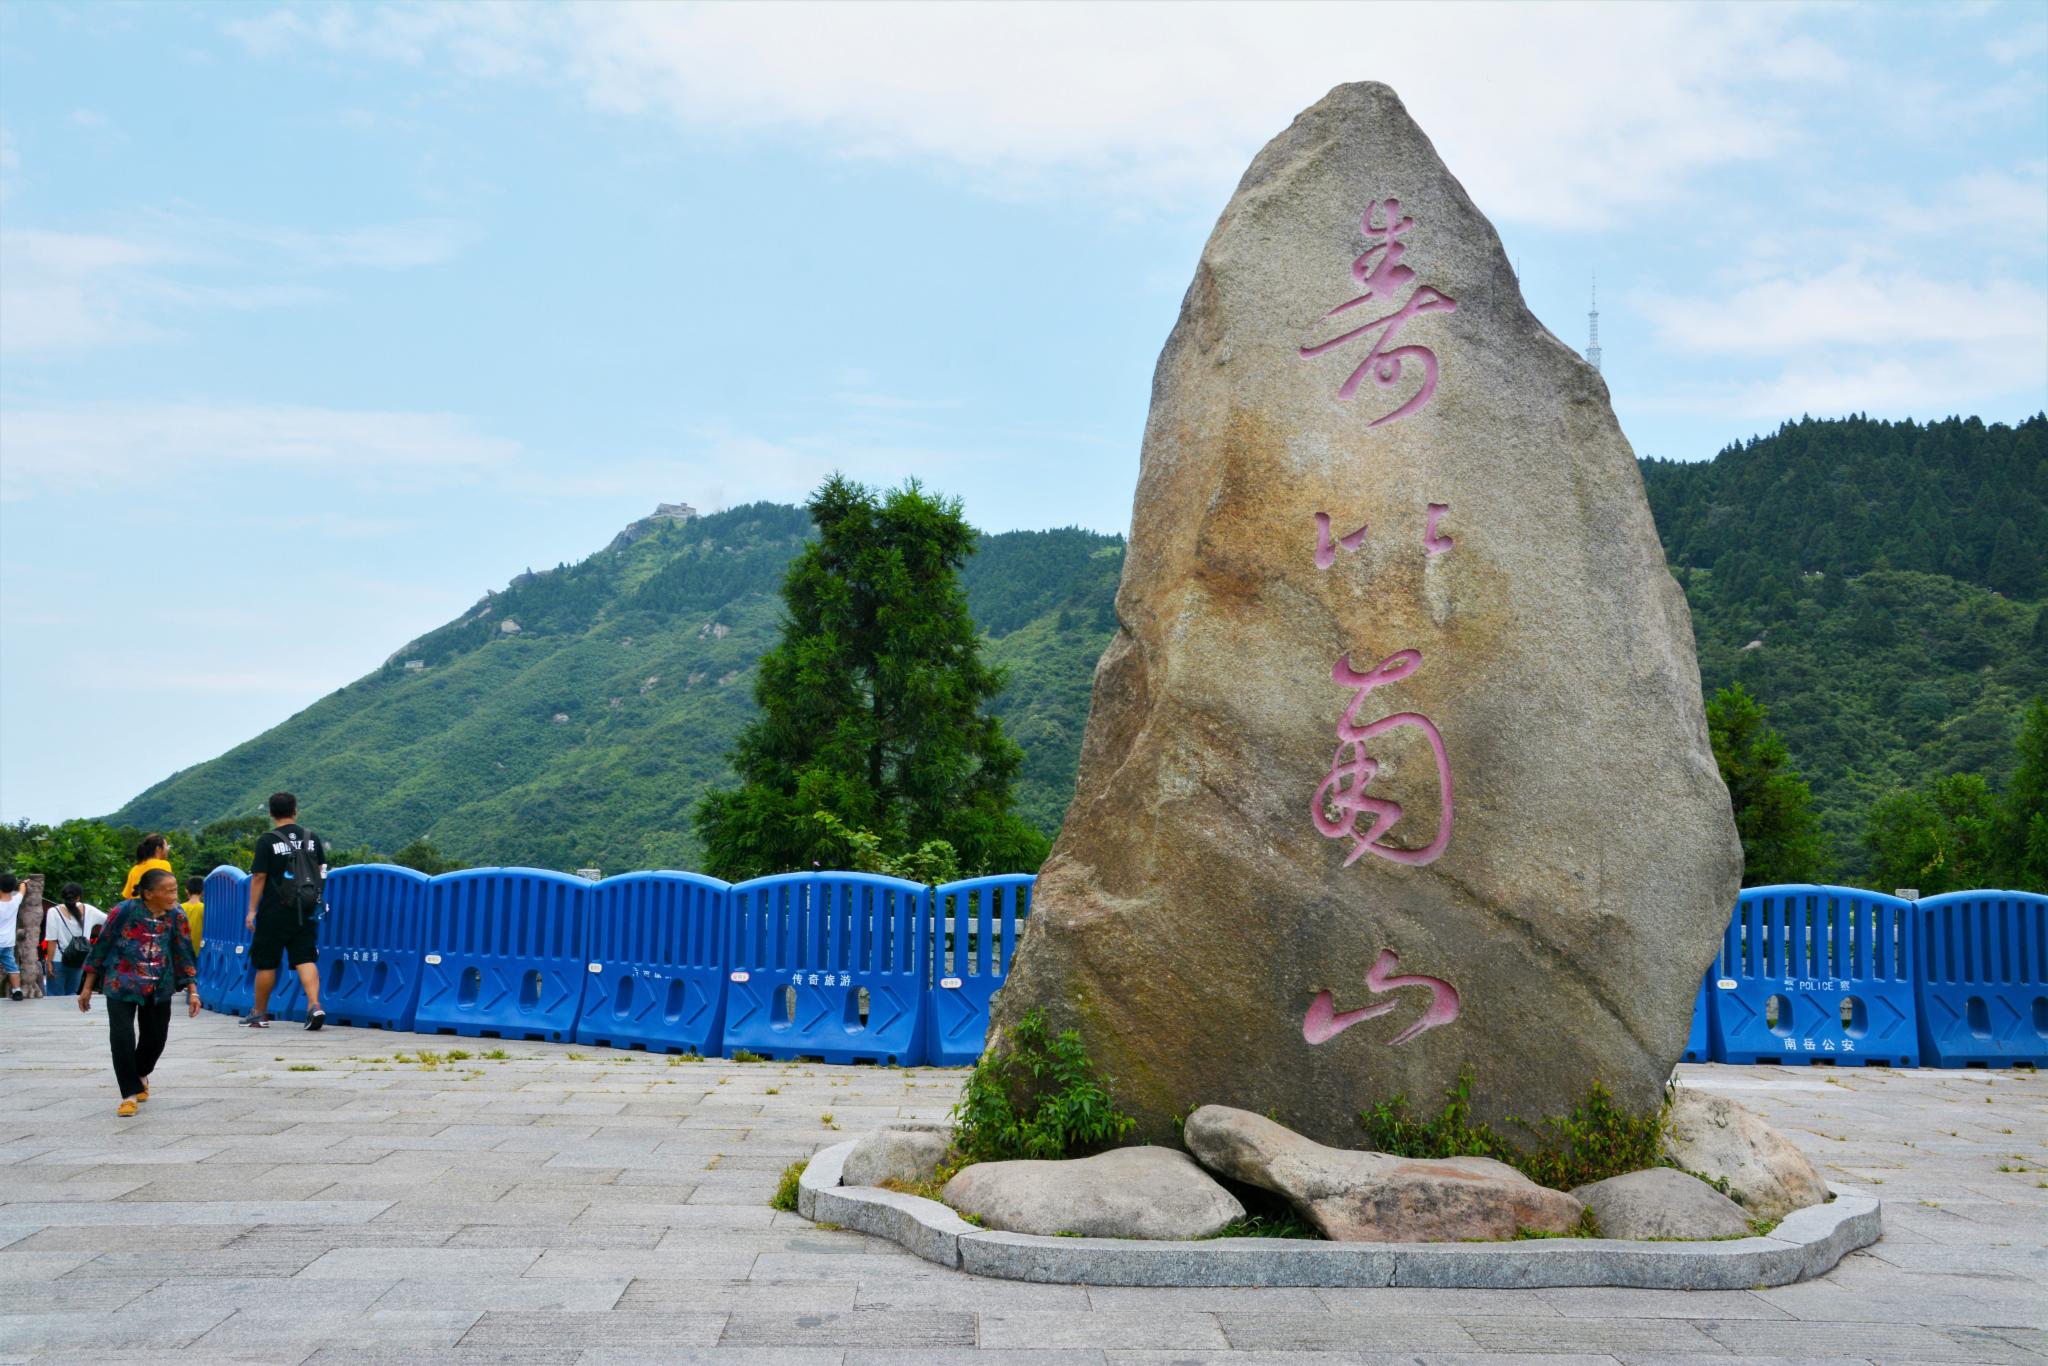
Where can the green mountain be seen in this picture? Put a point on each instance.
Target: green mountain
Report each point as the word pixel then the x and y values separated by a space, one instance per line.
pixel 573 719
pixel 1876 585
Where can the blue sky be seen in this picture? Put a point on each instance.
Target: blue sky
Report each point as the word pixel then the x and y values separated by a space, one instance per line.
pixel 366 308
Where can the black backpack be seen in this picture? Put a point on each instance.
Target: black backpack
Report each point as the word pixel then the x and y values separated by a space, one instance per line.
pixel 299 884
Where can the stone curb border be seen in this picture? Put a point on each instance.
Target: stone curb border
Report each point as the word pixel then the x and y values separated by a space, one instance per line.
pixel 1808 1243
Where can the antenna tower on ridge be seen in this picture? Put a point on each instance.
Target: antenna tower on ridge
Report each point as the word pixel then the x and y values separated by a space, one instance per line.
pixel 1593 328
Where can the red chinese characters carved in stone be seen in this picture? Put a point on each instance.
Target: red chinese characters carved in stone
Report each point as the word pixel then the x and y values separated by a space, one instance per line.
pixel 1380 275
pixel 1351 769
pixel 1324 1021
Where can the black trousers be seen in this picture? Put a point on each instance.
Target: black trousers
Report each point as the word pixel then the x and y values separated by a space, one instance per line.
pixel 135 1057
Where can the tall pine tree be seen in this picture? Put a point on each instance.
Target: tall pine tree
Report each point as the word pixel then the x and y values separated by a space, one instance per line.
pixel 1781 839
pixel 872 703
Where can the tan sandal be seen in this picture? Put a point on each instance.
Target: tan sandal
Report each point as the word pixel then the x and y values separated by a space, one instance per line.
pixel 126 1110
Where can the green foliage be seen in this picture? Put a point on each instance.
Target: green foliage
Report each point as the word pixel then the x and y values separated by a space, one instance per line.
pixel 1848 575
pixel 1587 1227
pixel 1837 497
pixel 871 703
pixel 1596 1140
pixel 1940 838
pixel 1041 574
pixel 1268 1216
pixel 1781 839
pixel 784 1198
pixel 421 856
pixel 1036 1096
pixel 931 863
pixel 2023 819
pixel 90 853
pixel 229 842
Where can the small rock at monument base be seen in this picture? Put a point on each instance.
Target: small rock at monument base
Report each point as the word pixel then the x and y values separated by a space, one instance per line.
pixel 908 1152
pixel 1721 1141
pixel 1364 1197
pixel 1661 1203
pixel 1124 1193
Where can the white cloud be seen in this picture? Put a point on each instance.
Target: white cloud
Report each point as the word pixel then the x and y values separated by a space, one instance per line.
pixel 488 39
pixel 68 292
pixel 90 448
pixel 1153 103
pixel 1854 304
pixel 1860 337
pixel 390 246
pixel 2008 208
pixel 2025 42
pixel 727 465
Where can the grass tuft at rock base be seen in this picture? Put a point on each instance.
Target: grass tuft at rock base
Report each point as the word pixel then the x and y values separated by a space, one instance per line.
pixel 1598 1139
pixel 1037 1096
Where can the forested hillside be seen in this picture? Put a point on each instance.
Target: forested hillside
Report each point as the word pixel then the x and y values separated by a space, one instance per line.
pixel 573 719
pixel 1877 586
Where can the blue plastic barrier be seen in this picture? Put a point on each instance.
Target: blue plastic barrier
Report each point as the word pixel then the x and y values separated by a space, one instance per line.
pixel 502 956
pixel 224 983
pixel 1816 974
pixel 1697 1047
pixel 370 945
pixel 828 965
pixel 976 928
pixel 233 973
pixel 656 976
pixel 1983 979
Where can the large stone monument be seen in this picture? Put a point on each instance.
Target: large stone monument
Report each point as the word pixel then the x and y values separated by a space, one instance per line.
pixel 1396 764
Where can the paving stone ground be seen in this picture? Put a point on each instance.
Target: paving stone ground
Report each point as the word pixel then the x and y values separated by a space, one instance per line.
pixel 292 1197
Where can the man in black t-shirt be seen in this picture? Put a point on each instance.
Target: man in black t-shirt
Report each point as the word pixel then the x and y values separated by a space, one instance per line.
pixel 277 925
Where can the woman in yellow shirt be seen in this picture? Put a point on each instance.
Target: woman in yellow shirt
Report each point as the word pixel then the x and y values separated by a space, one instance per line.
pixel 195 907
pixel 153 852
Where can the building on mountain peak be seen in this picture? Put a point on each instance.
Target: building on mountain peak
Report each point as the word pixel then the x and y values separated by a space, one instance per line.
pixel 674 512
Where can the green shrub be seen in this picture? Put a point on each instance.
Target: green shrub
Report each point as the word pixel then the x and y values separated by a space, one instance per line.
pixel 1598 1139
pixel 784 1198
pixel 1038 1097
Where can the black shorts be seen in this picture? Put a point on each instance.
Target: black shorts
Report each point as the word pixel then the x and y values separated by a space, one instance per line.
pixel 281 931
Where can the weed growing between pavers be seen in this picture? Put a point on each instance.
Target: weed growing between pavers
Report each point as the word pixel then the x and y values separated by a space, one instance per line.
pixel 1598 1139
pixel 784 1198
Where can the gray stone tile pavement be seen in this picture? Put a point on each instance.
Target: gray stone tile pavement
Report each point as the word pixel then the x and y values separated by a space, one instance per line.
pixel 574 1205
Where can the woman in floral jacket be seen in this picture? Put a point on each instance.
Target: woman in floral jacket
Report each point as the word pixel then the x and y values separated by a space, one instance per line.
pixel 143 956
